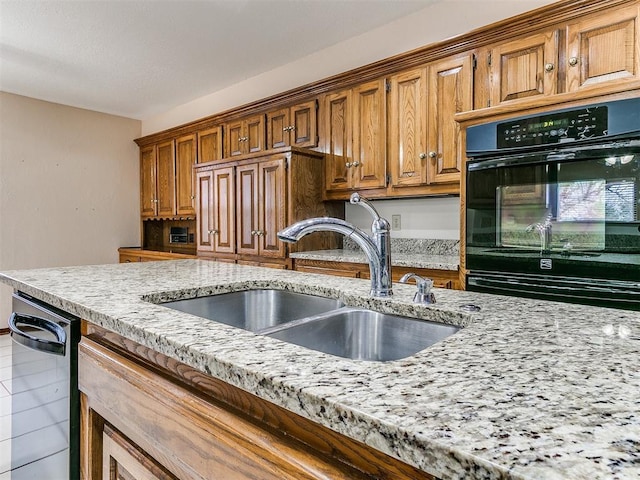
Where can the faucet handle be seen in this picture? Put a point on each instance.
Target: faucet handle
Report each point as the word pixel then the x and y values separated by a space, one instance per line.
pixel 424 294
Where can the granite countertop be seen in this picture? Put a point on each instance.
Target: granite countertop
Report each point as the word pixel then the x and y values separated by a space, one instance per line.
pixel 415 260
pixel 526 390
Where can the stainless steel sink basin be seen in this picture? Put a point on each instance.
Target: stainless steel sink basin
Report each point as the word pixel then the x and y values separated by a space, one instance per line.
pixel 255 310
pixel 365 335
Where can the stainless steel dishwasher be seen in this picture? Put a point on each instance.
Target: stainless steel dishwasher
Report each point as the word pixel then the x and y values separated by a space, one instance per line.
pixel 45 409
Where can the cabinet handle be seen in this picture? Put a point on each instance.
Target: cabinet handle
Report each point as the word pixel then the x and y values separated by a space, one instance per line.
pixel 549 67
pixel 433 154
pixel 573 61
pixel 422 156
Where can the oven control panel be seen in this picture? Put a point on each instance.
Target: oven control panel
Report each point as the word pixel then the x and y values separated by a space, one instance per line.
pixel 552 128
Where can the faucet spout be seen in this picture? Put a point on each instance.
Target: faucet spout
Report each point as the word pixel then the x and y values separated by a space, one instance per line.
pixel 377 249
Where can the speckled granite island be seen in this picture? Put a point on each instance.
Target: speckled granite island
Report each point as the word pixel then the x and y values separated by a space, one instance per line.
pixel 526 390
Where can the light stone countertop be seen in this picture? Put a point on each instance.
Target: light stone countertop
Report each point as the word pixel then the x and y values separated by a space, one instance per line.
pixel 526 390
pixel 414 260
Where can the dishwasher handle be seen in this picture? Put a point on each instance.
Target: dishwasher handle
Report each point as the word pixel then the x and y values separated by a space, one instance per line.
pixel 56 347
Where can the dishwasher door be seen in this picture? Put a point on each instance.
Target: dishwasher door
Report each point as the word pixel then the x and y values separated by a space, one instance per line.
pixel 45 400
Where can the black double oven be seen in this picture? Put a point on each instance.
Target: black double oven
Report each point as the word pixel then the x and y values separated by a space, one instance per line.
pixel 553 205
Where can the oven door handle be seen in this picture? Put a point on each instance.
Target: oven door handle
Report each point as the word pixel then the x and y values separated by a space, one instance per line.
pixel 56 347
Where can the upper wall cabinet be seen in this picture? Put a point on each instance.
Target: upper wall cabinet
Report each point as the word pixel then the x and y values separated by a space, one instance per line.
pixel 293 126
pixel 598 54
pixel 425 142
pixel 210 144
pixel 355 139
pixel 524 68
pixel 186 158
pixel 244 136
pixel 157 174
pixel 604 49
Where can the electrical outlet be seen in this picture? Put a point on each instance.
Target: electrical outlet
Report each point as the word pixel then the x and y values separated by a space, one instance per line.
pixel 396 222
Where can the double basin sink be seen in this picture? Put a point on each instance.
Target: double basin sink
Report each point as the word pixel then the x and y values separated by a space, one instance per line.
pixel 319 323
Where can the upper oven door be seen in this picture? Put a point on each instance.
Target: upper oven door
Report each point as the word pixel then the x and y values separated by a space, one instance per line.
pixel 563 210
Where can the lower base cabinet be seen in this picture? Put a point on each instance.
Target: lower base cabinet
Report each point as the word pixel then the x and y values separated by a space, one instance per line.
pixel 147 416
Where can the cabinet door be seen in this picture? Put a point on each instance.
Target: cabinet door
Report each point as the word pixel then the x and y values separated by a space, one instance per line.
pixel 304 125
pixel 603 49
pixel 278 128
pixel 233 139
pixel 205 206
pixel 166 179
pixel 271 206
pixel 408 128
pixel 210 145
pixel 148 172
pixel 122 460
pixel 450 92
pixel 224 210
pixel 369 135
pixel 254 134
pixel 247 209
pixel 525 67
pixel 185 160
pixel 337 135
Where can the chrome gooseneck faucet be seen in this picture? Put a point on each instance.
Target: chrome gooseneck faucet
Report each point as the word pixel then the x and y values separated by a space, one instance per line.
pixel 544 230
pixel 377 247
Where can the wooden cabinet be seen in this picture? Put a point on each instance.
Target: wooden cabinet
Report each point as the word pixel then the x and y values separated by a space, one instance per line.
pixel 426 145
pixel 261 208
pixel 244 136
pixel 153 417
pixel 186 158
pixel 524 68
pixel 215 199
pixel 597 54
pixel 604 49
pixel 210 145
pixel 157 180
pixel 166 178
pixel 132 255
pixel 293 126
pixel 244 203
pixel 355 139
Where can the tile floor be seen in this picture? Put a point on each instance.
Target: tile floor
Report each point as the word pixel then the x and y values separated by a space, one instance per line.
pixel 5 407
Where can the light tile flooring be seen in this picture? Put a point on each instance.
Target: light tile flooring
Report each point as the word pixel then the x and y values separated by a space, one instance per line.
pixel 5 407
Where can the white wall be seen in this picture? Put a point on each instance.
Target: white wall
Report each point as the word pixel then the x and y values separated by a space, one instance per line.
pixel 426 218
pixel 69 186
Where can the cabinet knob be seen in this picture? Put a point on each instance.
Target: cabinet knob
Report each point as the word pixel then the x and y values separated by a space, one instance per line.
pixel 573 61
pixel 422 156
pixel 253 232
pixel 348 165
pixel 286 129
pixel 214 232
pixel 260 233
pixel 193 197
pixel 433 154
pixel 549 67
pixel 355 164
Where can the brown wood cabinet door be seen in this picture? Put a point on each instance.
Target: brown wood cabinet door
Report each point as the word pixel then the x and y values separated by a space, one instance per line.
pixel 210 145
pixel 234 139
pixel 254 134
pixel 450 92
pixel 148 173
pixel 304 125
pixel 604 48
pixel 205 207
pixel 271 206
pixel 247 209
pixel 525 67
pixel 337 136
pixel 369 135
pixel 185 160
pixel 224 218
pixel 166 179
pixel 408 128
pixel 278 128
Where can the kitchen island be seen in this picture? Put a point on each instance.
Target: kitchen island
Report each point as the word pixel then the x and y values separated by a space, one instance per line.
pixel 525 390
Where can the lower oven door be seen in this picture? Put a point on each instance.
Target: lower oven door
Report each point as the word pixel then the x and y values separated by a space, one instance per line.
pixel 602 293
pixel 44 398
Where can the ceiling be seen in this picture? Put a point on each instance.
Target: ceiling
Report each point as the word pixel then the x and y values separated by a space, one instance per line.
pixel 138 58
